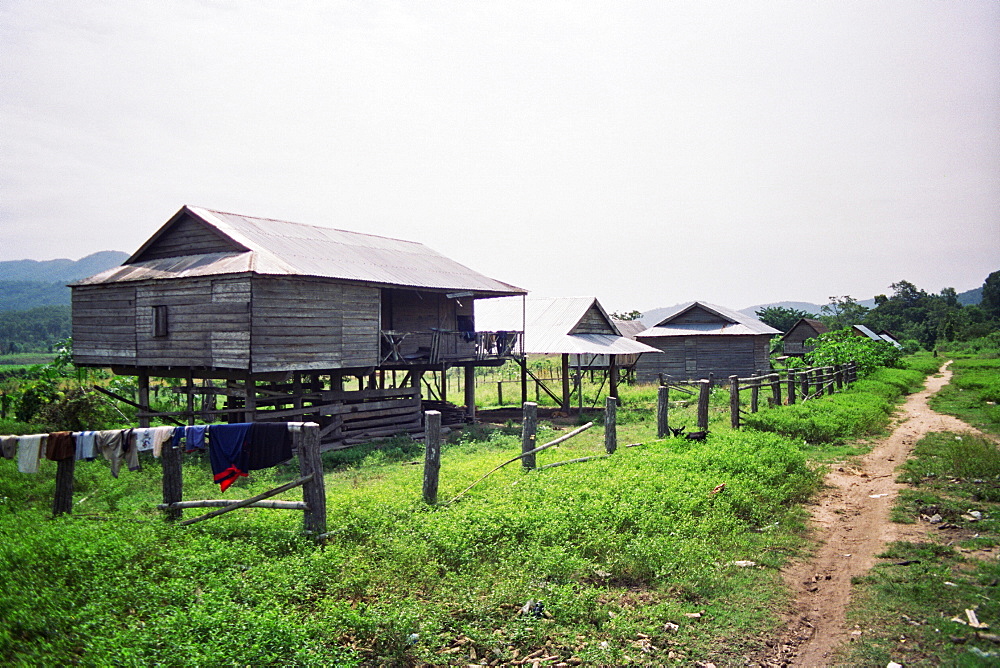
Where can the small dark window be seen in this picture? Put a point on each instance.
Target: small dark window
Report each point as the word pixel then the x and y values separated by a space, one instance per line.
pixel 160 321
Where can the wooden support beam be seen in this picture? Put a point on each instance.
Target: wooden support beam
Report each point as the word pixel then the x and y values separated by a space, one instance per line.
pixel 314 487
pixel 704 392
pixel 432 456
pixel 564 402
pixel 248 502
pixel 62 502
pixel 611 425
pixel 223 503
pixel 734 402
pixel 529 431
pixel 662 411
pixel 470 393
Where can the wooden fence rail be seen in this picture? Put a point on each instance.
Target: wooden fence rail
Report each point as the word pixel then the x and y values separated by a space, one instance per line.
pixel 800 385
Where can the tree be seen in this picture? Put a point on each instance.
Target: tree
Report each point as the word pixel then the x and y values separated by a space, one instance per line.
pixel 842 346
pixel 842 312
pixel 630 315
pixel 781 318
pixel 991 295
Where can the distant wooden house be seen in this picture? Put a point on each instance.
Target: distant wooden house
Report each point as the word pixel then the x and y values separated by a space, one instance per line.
pixel 697 339
pixel 283 314
pixel 794 340
pixel 890 338
pixel 568 327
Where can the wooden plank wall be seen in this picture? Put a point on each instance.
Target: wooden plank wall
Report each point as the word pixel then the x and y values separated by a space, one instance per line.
pixel 187 237
pixel 206 317
pixel 104 324
pixel 302 323
pixel 695 357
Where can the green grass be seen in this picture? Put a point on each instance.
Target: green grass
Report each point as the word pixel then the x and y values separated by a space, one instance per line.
pixel 14 361
pixel 973 394
pixel 614 548
pixel 864 409
pixel 905 605
pixel 618 550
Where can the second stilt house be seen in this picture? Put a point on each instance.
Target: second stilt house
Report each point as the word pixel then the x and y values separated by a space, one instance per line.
pixel 283 318
pixel 576 329
pixel 697 339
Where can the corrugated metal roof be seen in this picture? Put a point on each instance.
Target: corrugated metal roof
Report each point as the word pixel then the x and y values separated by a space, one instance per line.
pixel 280 248
pixel 861 329
pixel 548 322
pixel 738 324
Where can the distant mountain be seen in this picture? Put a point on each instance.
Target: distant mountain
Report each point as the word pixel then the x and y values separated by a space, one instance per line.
pixel 60 271
pixel 971 297
pixel 28 284
pixel 653 316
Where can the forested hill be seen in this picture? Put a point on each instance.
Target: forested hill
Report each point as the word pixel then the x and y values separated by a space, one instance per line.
pixel 27 284
pixel 60 271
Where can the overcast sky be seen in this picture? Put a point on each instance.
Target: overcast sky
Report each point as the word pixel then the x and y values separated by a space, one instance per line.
pixel 647 153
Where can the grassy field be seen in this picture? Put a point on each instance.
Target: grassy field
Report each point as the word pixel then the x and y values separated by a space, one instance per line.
pixel 666 552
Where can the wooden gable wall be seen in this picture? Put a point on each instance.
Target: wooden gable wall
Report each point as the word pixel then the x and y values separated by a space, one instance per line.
pixel 698 315
pixel 593 322
pixel 187 236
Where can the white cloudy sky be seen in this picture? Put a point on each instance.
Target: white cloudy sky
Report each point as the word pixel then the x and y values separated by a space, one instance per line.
pixel 647 153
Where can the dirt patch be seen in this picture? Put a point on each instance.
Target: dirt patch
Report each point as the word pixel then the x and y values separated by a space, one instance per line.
pixel 850 523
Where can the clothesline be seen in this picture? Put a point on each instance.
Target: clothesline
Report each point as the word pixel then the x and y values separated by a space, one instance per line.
pixel 234 449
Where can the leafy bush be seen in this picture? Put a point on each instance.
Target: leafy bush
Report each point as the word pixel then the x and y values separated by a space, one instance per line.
pixel 843 346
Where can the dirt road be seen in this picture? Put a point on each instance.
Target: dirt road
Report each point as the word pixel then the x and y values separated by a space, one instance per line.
pixel 850 522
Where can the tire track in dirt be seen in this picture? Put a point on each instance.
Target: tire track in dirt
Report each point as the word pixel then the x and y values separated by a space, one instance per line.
pixel 850 522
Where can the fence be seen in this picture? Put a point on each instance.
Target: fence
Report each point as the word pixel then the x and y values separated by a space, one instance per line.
pixel 305 443
pixel 800 385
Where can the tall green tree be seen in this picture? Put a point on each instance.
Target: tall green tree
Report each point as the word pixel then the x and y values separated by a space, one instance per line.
pixel 991 295
pixel 781 317
pixel 842 312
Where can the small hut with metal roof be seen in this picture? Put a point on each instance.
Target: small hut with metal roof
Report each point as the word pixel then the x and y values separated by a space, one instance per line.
pixel 697 339
pixel 794 340
pixel 563 326
pixel 283 314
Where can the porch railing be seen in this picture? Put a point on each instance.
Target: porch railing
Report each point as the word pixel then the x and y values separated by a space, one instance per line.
pixel 436 346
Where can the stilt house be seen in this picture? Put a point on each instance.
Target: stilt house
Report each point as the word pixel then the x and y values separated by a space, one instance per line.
pixel 566 327
pixel 283 315
pixel 697 339
pixel 794 340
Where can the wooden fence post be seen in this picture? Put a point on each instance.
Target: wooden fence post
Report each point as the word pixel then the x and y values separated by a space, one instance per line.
pixel 734 401
pixel 791 386
pixel 500 393
pixel 704 393
pixel 804 377
pixel 754 395
pixel 611 425
pixel 775 381
pixel 529 430
pixel 470 393
pixel 173 479
pixel 313 491
pixel 828 378
pixel 662 418
pixel 838 376
pixel 432 456
pixel 62 502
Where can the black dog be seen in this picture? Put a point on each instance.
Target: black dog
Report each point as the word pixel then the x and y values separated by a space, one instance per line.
pixel 696 435
pixel 677 432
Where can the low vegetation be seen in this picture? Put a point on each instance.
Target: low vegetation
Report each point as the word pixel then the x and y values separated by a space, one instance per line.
pixel 911 608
